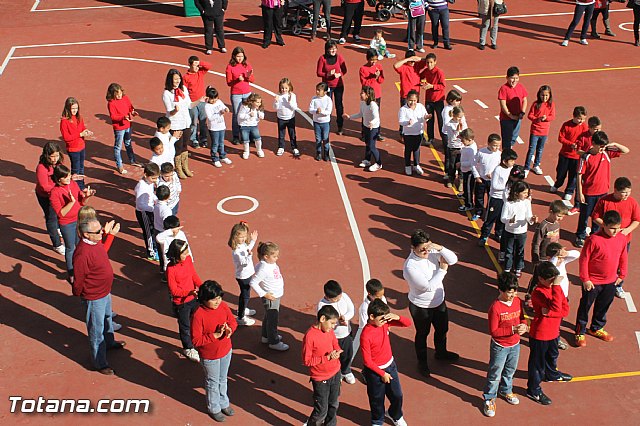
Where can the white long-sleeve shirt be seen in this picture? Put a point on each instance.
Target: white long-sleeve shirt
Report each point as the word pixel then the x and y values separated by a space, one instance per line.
pixel 380 45
pixel 160 212
pixel 145 196
pixel 561 264
pixel 468 157
pixel 215 119
pixel 499 178
pixel 267 279
pixel 181 119
pixel 412 120
pixel 519 210
pixel 486 162
pixel 363 317
pixel 169 153
pixel 175 188
pixel 164 239
pixel 453 133
pixel 446 117
pixel 243 260
pixel 345 309
pixel 248 117
pixel 326 106
pixel 285 106
pixel 370 115
pixel 425 277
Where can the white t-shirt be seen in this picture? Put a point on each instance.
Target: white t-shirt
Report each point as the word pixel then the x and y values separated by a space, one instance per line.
pixel 165 238
pixel 214 117
pixel 412 120
pixel 345 308
pixel 268 279
pixel 285 106
pixel 363 317
pixel 370 115
pixel 424 277
pixel 169 153
pixel 248 117
pixel 243 260
pixel 326 106
pixel 181 119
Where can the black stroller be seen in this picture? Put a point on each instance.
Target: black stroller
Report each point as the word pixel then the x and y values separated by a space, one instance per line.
pixel 298 14
pixel 387 8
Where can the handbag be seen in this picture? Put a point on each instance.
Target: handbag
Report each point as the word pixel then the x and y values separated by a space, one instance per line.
pixel 501 8
pixel 416 8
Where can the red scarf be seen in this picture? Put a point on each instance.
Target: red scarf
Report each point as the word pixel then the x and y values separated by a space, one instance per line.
pixel 179 94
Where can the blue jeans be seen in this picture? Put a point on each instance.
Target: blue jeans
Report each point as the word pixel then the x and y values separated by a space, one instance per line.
pixel 586 209
pixel 215 382
pixel 415 32
pixel 536 145
pixel 198 116
pixel 440 16
pixel 249 133
pixel 376 391
pixel 50 219
pixel 321 131
pixel 70 236
pixel 509 131
pixel 99 328
pixel 123 136
pixel 370 138
pixel 503 363
pixel 77 165
pixel 236 101
pixel 217 145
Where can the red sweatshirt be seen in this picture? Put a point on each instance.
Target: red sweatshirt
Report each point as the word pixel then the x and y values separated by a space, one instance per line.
pixel 376 346
pixel 409 78
pixel 44 180
pixel 204 323
pixel 60 197
pixel 502 319
pixel 195 81
pixel 182 279
pixel 569 133
pixel 323 70
pixel 70 130
pixel 601 258
pixel 92 271
pixel 119 111
pixel 316 345
pixel 546 326
pixel 238 87
pixel 595 172
pixel 514 97
pixel 538 127
pixel 628 209
pixel 435 77
pixel 368 77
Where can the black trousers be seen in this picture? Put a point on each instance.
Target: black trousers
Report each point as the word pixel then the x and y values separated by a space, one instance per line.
pixel 566 166
pixel 494 210
pixel 272 22
pixel 543 360
pixel 346 344
pixel 451 159
pixel 601 297
pixel 480 190
pixel 325 401
pixel 184 313
pixel 411 146
pixel 337 93
pixel 213 24
pixel 326 7
pixel 245 295
pixel 437 108
pixel 290 126
pixel 423 318
pixel 469 184
pixel 353 12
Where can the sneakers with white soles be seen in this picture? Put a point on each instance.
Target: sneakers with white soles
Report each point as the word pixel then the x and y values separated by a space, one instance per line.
pixel 280 152
pixel 408 170
pixel 399 422
pixel 246 321
pixel 265 340
pixel 418 170
pixel 537 170
pixel 217 164
pixel 249 312
pixel 192 355
pixel 226 160
pixel 374 167
pixel 116 326
pixel 280 346
pixel 490 407
pixel 364 163
pixel 245 155
pixel 260 153
pixel 296 152
pixel 564 43
pixel 349 378
pixel 511 398
pixel 60 249
pixel 584 42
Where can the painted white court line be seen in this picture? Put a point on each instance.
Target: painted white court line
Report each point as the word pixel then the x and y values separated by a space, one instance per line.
pixel 59 9
pixel 459 89
pixel 7 59
pixel 631 307
pixel 519 140
pixel 482 104
pixel 254 205
pixel 638 338
pixel 549 180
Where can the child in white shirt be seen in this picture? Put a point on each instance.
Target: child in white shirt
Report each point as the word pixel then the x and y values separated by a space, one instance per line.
pixel 215 109
pixel 452 129
pixel 145 200
pixel 286 104
pixel 380 45
pixel 172 231
pixel 412 117
pixel 370 114
pixel 467 161
pixel 249 115
pixel 320 107
pixel 169 178
pixel 516 216
pixel 242 243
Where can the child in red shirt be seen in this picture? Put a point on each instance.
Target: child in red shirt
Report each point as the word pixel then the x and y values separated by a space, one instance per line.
pixel 550 306
pixel 372 75
pixel 73 133
pixel 321 353
pixel 433 81
pixel 121 112
pixel 513 103
pixel 568 156
pixel 541 114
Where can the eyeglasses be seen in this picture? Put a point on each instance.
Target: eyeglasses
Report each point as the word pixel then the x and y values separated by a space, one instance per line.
pixel 99 231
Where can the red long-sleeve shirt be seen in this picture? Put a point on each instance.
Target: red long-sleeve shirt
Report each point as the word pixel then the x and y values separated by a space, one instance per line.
pixel 409 78
pixel 195 80
pixel 70 130
pixel 569 133
pixel 539 127
pixel 233 72
pixel 316 345
pixel 60 197
pixel 601 258
pixel 182 279
pixel 92 271
pixel 323 70
pixel 368 77
pixel 44 180
pixel 546 326
pixel 119 110
pixel 376 346
pixel 435 77
pixel 204 323
pixel 628 209
pixel 502 319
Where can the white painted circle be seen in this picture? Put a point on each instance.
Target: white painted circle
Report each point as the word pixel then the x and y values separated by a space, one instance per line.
pixel 238 197
pixel 624 26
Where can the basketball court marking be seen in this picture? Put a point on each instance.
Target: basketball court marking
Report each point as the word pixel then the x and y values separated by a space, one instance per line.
pixel 484 77
pixel 34 8
pixel 254 206
pixel 611 375
pixel 482 104
pixel 459 89
pixel 631 307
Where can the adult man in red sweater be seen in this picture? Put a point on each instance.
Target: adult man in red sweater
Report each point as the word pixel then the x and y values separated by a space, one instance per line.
pixel 433 81
pixel 193 79
pixel 603 265
pixel 93 282
pixel 321 353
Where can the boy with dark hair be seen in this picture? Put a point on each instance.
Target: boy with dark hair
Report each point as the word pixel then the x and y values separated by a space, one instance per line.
pixel 499 177
pixel 433 82
pixel 169 178
pixel 547 231
pixel 568 156
pixel 594 175
pixel 320 352
pixel 380 370
pixel 506 324
pixel 145 201
pixel 487 159
pixel 550 307
pixel 334 296
pixel 193 80
pixel 409 71
pixel 375 290
pixel 163 145
pixel 513 103
pixel 372 75
pixel 622 202
pixel 603 265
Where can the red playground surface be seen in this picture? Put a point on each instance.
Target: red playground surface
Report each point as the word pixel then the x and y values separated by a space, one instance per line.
pixel 332 220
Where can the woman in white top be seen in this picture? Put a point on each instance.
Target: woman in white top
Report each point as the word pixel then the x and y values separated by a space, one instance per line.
pixel 424 270
pixel 412 117
pixel 370 114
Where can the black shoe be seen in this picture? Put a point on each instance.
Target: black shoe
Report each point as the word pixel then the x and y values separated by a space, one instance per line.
pixel 562 377
pixel 280 42
pixel 423 368
pixel 325 156
pixel 447 356
pixel 340 131
pixel 434 46
pixel 356 38
pixel 594 34
pixel 636 43
pixel 318 157
pixel 204 145
pixel 218 417
pixel 481 46
pixel 579 242
pixel 228 411
pixel 609 32
pixel 448 47
pixel 265 45
pixel 118 344
pixel 195 145
pixel 380 138
pixel 107 371
pixel 540 399
pixel 494 46
pixel 235 141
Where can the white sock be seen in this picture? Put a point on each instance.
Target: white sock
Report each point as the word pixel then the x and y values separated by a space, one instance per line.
pixel 246 147
pixel 259 145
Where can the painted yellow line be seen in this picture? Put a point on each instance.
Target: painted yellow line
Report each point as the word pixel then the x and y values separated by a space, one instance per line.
pixel 606 376
pixel 484 77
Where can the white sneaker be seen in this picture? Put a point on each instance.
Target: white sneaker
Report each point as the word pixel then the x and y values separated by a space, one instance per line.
pixel 567 197
pixel 60 249
pixel 245 155
pixel 490 407
pixel 265 340
pixel 537 170
pixel 296 152
pixel 526 173
pixel 418 170
pixel 217 164
pixel 365 163
pixel 564 43
pixel 116 326
pixel 226 160
pixel 408 170
pixel 584 41
pixel 249 312
pixel 620 293
pixel 260 153
pixel 349 378
pixel 280 152
pixel 399 422
pixel 279 347
pixel 374 167
pixel 391 55
pixel 380 57
pixel 192 355
pixel 342 41
pixel 246 321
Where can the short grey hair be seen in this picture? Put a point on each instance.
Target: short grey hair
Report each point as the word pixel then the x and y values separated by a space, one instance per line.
pixel 86 225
